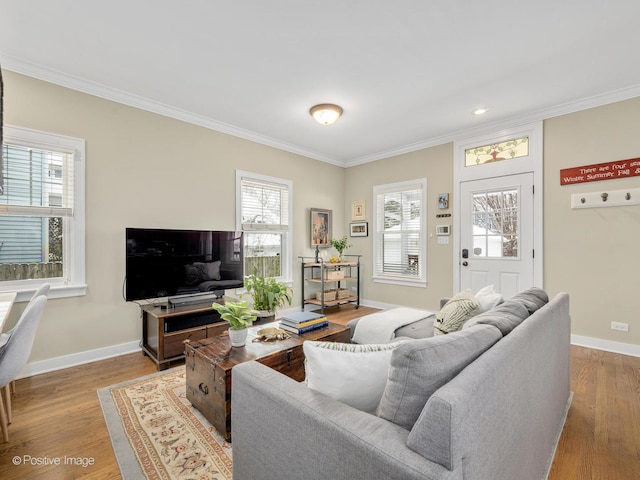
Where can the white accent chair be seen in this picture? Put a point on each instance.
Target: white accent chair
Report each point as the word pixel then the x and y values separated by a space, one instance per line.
pixel 15 354
pixel 41 290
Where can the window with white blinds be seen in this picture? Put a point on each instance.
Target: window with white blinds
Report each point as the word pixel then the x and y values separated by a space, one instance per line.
pixel 36 182
pixel 42 212
pixel 264 212
pixel 400 231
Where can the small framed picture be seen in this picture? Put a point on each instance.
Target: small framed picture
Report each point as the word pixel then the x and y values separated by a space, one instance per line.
pixel 359 229
pixel 443 201
pixel 321 228
pixel 357 210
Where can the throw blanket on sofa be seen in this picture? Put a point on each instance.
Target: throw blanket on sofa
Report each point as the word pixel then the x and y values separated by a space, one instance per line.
pixel 380 327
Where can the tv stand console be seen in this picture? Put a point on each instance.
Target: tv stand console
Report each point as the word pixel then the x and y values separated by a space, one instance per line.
pixel 165 330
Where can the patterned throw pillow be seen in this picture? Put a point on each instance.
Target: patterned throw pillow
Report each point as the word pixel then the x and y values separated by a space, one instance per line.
pixel 455 312
pixel 350 373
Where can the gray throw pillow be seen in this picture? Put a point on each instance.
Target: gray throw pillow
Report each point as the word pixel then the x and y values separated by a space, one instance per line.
pixel 532 298
pixel 505 317
pixel 420 367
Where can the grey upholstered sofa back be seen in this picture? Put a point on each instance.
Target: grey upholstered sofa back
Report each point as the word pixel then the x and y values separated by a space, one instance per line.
pixel 498 418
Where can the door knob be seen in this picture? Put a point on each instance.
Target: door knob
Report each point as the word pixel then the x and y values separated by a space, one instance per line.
pixel 465 263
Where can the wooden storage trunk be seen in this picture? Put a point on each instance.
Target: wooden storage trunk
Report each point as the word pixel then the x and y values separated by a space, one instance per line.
pixel 209 362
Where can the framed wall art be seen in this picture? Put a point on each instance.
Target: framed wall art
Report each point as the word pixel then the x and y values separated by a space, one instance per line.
pixel 357 210
pixel 359 229
pixel 321 227
pixel 443 201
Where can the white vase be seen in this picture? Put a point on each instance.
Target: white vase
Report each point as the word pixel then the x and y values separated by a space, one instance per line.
pixel 238 337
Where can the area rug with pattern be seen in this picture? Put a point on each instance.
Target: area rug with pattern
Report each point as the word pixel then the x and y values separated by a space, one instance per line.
pixel 157 434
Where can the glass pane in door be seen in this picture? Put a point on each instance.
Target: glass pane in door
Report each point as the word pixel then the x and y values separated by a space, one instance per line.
pixel 495 223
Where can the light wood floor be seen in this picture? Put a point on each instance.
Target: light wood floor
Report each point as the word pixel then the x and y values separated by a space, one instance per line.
pixel 58 415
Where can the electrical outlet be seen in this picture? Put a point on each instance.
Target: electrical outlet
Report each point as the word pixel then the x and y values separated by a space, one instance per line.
pixel 622 327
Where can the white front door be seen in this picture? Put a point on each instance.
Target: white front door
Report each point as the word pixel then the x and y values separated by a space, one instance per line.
pixel 497 234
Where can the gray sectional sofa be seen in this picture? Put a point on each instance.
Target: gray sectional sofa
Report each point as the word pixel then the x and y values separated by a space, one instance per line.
pixel 496 415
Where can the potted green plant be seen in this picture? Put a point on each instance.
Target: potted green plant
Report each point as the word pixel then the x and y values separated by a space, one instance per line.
pixel 340 245
pixel 240 316
pixel 268 294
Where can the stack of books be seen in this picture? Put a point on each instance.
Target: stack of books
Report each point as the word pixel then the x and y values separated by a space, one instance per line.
pixel 301 322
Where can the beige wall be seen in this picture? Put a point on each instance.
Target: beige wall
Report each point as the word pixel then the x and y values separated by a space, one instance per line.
pixel 434 164
pixel 593 253
pixel 147 170
pixel 144 169
pixel 590 253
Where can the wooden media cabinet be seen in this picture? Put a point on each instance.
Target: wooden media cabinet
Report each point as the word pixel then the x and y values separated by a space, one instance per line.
pixel 166 330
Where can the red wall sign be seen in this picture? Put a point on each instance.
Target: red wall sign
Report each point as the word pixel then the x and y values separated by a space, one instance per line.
pixel 600 171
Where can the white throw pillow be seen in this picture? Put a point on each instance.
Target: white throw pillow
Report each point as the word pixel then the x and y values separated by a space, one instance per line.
pixel 488 298
pixel 350 373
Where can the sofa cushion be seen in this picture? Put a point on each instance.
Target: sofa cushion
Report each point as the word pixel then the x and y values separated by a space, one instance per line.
pixel 455 312
pixel 420 329
pixel 420 367
pixel 505 317
pixel 532 298
pixel 350 373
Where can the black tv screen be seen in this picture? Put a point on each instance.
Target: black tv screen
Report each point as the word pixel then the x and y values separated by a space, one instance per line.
pixel 165 263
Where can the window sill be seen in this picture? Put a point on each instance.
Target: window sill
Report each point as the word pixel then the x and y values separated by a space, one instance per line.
pixel 57 291
pixel 405 282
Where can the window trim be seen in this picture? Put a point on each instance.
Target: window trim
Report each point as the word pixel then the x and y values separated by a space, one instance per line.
pixel 420 281
pixel 286 261
pixel 74 284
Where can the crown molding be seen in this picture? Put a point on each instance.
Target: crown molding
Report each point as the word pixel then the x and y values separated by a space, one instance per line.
pixel 594 101
pixel 136 101
pixel 119 96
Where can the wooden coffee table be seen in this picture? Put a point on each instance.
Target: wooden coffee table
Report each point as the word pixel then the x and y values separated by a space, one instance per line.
pixel 209 362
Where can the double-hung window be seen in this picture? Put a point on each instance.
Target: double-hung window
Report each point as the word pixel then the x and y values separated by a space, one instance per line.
pixel 41 213
pixel 400 233
pixel 263 214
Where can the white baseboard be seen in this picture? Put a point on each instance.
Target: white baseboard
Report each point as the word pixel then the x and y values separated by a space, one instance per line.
pixel 66 361
pixel 606 345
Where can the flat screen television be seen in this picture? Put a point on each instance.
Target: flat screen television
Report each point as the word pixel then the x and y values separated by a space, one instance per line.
pixel 166 263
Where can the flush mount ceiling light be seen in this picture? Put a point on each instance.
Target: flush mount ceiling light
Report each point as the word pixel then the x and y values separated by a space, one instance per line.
pixel 480 111
pixel 326 113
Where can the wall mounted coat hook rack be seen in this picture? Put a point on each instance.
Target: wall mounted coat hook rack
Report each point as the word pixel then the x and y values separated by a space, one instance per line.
pixel 615 198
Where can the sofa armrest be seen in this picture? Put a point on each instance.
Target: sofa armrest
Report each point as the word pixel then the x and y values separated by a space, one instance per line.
pixel 282 429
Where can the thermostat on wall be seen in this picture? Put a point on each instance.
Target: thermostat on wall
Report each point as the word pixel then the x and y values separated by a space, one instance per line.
pixel 443 230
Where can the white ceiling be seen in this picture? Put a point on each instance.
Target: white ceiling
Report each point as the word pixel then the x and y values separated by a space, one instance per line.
pixel 408 73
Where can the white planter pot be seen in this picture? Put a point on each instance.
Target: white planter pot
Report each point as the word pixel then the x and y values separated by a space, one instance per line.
pixel 238 337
